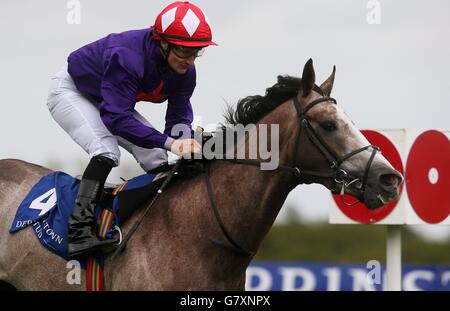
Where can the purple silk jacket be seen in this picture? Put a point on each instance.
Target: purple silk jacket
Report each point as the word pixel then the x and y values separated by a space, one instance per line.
pixel 122 69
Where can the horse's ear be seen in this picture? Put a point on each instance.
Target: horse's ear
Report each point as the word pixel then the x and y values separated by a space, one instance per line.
pixel 327 86
pixel 308 78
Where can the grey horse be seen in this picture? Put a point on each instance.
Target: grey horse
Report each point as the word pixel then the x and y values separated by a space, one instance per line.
pixel 172 249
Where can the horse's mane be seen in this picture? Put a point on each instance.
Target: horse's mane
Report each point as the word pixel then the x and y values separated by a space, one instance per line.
pixel 251 109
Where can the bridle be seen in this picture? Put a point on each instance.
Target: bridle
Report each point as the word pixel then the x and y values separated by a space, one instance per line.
pixel 339 175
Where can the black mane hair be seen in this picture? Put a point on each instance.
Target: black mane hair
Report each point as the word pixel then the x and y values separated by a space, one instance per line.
pixel 252 108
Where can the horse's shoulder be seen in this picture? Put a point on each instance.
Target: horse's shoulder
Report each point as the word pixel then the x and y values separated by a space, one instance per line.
pixel 15 169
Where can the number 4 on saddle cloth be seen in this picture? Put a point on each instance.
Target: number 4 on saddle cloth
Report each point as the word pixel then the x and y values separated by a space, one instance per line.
pixel 51 200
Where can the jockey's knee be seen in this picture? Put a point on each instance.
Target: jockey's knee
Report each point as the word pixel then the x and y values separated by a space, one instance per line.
pixel 107 148
pixel 151 158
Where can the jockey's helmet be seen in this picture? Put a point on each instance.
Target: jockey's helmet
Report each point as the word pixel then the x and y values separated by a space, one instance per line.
pixel 183 23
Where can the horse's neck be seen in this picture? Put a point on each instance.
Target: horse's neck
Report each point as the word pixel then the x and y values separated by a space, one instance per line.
pixel 249 198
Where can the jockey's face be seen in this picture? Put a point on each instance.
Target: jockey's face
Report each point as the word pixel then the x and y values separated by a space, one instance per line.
pixel 180 58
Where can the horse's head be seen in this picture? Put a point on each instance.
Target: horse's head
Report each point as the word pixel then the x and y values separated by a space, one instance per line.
pixel 334 151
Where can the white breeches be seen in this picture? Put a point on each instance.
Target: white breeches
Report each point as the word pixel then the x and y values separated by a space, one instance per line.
pixel 78 114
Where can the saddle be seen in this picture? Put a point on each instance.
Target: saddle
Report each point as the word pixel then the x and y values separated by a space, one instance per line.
pixel 134 193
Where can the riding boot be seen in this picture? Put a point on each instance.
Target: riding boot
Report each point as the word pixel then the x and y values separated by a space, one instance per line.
pixel 82 239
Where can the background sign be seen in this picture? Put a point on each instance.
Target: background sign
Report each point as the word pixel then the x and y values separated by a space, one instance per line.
pixel 341 277
pixel 428 176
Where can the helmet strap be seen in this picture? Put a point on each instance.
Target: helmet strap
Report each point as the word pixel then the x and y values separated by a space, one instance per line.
pixel 166 51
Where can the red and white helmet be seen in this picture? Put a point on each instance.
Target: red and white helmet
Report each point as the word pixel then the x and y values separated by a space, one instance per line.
pixel 183 23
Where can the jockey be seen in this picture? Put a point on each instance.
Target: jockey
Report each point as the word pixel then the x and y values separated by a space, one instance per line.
pixel 93 99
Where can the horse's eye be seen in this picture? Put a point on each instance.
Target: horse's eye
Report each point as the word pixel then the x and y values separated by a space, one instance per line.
pixel 328 126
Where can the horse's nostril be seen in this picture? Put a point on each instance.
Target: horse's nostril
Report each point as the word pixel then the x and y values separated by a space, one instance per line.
pixel 390 180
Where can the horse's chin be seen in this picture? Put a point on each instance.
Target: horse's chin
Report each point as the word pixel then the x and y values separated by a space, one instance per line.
pixel 373 203
pixel 374 200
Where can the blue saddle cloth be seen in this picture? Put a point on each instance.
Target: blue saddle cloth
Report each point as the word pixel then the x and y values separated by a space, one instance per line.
pixel 50 203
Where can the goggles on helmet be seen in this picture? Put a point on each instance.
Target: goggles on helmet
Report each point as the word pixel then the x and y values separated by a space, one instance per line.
pixel 187 52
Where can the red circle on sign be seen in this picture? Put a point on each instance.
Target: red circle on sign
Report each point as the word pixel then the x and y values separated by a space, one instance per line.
pixel 359 212
pixel 429 198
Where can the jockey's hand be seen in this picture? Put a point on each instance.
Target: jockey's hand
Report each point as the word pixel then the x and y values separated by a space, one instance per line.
pixel 185 147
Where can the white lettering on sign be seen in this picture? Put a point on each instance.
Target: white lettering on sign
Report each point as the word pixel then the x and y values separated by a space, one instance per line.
pixel 360 281
pixel 262 275
pixel 445 278
pixel 333 276
pixel 291 275
pixel 410 280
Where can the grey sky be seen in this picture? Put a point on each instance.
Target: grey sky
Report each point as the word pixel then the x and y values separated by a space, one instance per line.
pixel 391 75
